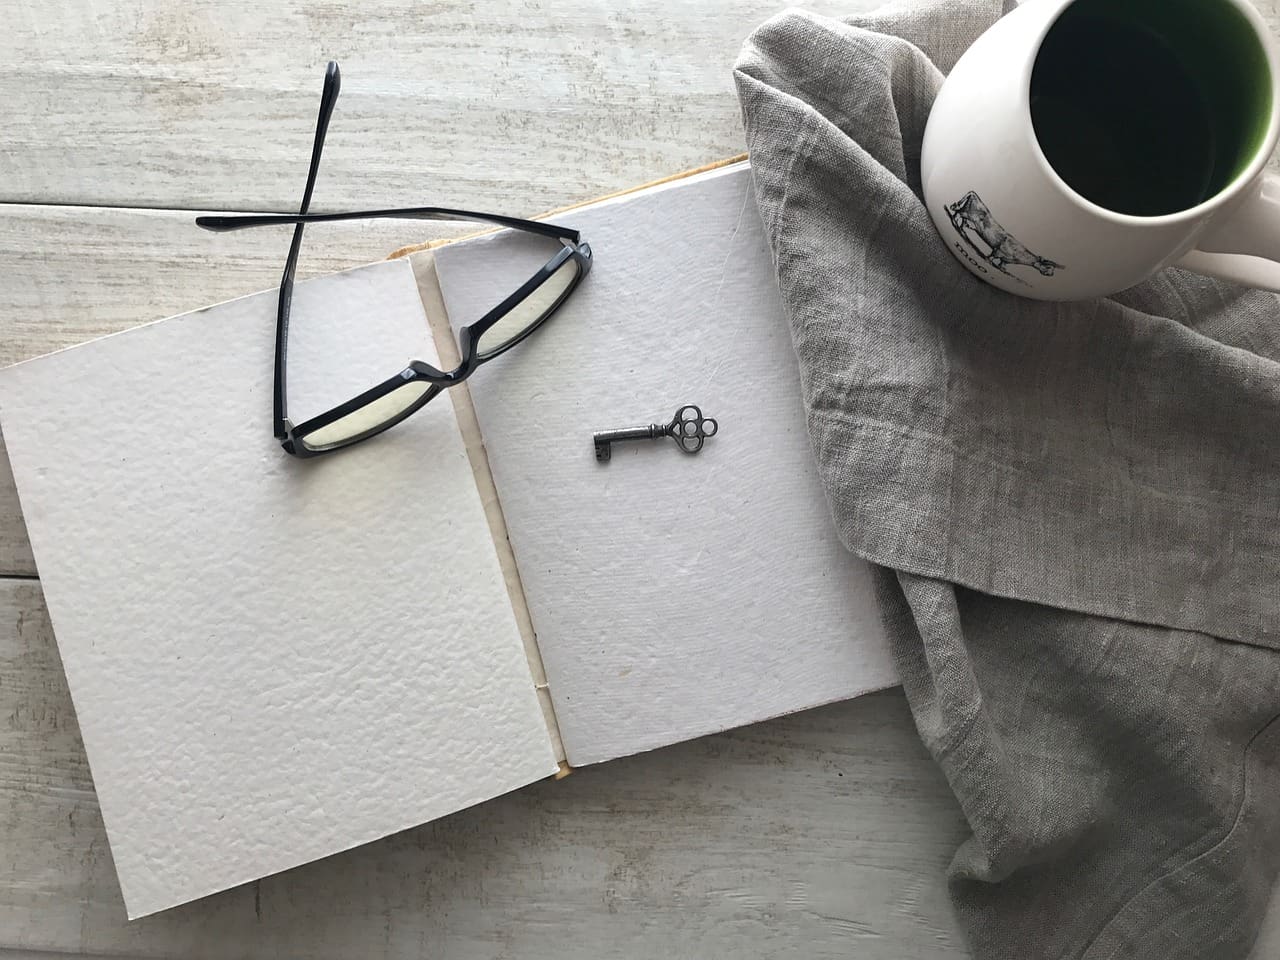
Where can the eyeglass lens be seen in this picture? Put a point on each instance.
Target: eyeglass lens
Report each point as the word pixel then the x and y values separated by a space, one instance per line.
pixel 373 414
pixel 530 311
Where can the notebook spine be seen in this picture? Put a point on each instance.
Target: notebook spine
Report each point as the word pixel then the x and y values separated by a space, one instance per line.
pixel 446 346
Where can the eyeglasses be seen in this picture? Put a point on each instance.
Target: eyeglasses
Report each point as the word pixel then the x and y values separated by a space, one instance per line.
pixel 414 387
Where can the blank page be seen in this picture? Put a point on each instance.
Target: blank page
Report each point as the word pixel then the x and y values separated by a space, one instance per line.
pixel 271 659
pixel 672 595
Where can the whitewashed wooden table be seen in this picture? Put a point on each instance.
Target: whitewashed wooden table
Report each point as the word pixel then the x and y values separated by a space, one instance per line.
pixel 824 834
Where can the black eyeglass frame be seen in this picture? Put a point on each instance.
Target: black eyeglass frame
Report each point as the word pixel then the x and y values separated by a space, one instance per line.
pixel 293 438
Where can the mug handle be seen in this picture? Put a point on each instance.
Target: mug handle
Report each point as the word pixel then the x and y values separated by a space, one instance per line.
pixel 1245 245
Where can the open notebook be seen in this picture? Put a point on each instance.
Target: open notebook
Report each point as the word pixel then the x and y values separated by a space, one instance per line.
pixel 273 660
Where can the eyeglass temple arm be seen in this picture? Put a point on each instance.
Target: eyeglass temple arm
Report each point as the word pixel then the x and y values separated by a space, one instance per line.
pixel 332 86
pixel 240 222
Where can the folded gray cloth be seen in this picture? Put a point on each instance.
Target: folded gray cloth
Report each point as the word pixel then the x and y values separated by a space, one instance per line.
pixel 1076 509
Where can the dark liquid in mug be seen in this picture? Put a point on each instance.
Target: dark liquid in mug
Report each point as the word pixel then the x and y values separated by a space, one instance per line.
pixel 1149 108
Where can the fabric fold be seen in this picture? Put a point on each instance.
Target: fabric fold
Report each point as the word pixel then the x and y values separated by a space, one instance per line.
pixel 1119 457
pixel 1074 509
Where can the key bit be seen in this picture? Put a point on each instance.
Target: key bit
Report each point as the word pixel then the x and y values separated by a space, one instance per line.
pixel 689 428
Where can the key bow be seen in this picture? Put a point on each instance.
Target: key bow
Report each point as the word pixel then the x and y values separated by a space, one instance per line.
pixel 691 429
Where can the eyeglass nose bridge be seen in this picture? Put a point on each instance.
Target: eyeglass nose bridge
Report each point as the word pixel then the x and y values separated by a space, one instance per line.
pixel 424 371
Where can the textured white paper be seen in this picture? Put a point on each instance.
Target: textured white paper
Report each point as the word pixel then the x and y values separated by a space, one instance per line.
pixel 271 660
pixel 672 595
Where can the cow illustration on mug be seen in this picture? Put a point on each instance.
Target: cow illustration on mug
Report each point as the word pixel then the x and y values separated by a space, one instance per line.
pixel 980 230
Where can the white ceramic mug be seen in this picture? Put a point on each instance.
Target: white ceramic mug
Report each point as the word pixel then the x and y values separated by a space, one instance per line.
pixel 1008 214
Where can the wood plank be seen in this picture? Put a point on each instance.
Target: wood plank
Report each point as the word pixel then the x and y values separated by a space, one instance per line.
pixel 83 272
pixel 519 105
pixel 516 105
pixel 823 834
pixel 751 842
pixel 15 549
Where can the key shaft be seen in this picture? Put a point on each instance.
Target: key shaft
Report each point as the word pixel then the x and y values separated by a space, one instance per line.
pixel 605 438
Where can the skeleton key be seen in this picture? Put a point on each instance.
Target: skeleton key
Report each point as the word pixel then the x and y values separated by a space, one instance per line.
pixel 689 428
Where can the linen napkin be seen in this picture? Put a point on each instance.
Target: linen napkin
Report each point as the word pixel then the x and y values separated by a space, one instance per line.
pixel 1075 509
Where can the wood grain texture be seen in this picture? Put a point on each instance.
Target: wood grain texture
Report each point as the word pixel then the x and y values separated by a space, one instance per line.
pixel 76 273
pixel 520 105
pixel 824 835
pixel 820 835
pixel 15 549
